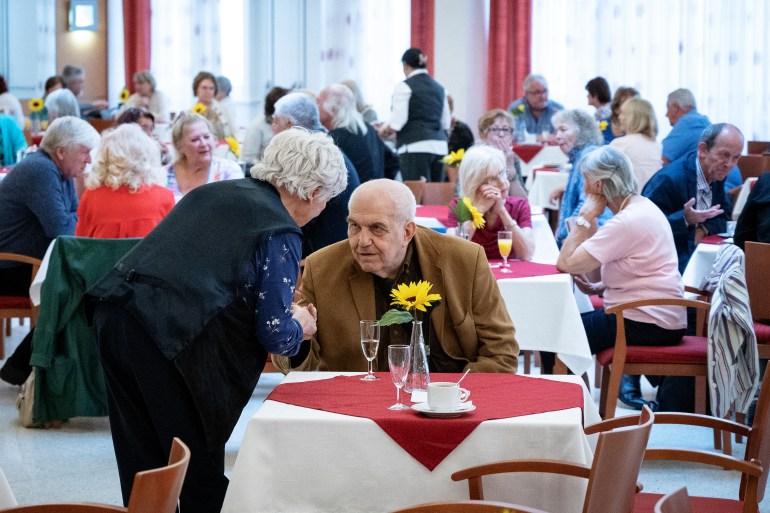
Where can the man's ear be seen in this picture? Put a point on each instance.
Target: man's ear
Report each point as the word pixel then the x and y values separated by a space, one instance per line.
pixel 409 230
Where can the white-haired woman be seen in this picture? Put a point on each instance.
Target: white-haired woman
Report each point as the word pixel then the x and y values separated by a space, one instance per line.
pixel 62 103
pixel 577 133
pixel 186 319
pixel 126 194
pixel 195 162
pixel 484 180
pixel 637 118
pixel 635 251
pixel 147 97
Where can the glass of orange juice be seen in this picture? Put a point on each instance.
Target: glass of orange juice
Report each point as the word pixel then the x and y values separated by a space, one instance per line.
pixel 504 244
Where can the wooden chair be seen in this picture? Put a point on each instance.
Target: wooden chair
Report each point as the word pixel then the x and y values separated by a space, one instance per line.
pixel 16 307
pixel 753 165
pixel 757 147
pixel 417 187
pixel 688 358
pixel 438 193
pixel 758 285
pixel 677 501
pixel 155 491
pixel 101 124
pixel 468 507
pixel 611 477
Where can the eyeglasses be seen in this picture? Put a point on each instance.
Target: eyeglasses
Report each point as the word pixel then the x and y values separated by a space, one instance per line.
pixel 500 130
pixel 537 92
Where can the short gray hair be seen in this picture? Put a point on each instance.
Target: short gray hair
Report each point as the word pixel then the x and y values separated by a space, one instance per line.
pixel 711 132
pixel 69 132
pixel 62 102
pixel 588 132
pixel 479 163
pixel 71 73
pixel 612 167
pixel 127 156
pixel 302 161
pixel 224 85
pixel 534 77
pixel 300 109
pixel 340 103
pixel 682 97
pixel 402 198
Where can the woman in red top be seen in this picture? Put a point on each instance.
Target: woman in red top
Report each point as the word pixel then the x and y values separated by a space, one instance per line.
pixel 484 180
pixel 126 196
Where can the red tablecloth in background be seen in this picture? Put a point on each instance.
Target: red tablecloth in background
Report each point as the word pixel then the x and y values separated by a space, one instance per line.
pixel 439 212
pixel 430 440
pixel 521 269
pixel 37 139
pixel 712 239
pixel 527 152
pixel 537 170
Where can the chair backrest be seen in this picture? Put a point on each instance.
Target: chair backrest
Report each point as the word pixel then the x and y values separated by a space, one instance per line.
pixel 757 147
pixel 758 279
pixel 468 507
pixel 758 443
pixel 101 124
pixel 417 187
pixel 615 469
pixel 438 193
pixel 158 490
pixel 753 165
pixel 675 502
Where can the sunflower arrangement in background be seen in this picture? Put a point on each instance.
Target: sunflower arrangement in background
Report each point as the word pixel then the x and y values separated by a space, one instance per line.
pixel 199 108
pixel 124 95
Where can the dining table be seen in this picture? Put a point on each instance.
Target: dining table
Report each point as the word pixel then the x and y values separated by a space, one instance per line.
pixel 538 155
pixel 702 260
pixel 743 195
pixel 327 442
pixel 544 182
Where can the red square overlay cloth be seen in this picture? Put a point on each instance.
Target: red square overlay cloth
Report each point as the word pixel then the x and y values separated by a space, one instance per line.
pixel 430 440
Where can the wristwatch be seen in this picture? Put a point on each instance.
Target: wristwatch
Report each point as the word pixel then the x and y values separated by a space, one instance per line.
pixel 582 221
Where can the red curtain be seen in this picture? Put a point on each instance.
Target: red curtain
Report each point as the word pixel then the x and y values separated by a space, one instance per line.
pixel 510 39
pixel 423 28
pixel 136 37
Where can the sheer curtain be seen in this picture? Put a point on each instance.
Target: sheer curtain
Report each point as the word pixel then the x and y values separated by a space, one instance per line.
pixel 718 50
pixel 185 40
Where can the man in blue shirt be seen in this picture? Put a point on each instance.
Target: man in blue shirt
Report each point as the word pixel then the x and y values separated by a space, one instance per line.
pixel 533 112
pixel 687 125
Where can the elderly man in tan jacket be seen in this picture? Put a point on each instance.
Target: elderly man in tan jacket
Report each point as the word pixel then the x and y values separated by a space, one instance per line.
pixel 351 281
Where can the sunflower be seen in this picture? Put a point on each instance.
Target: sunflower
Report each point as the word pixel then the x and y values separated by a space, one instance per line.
pixel 415 296
pixel 124 94
pixel 233 144
pixel 465 211
pixel 476 216
pixel 518 111
pixel 199 108
pixel 35 105
pixel 454 158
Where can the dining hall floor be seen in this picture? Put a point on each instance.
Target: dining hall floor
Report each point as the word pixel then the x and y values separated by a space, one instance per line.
pixel 76 462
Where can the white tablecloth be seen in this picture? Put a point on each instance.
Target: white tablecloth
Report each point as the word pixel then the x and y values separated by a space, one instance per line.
pixel 742 197
pixel 545 183
pixel 700 264
pixel 549 155
pixel 296 460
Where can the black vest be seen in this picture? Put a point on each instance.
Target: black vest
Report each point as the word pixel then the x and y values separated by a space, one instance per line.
pixel 425 108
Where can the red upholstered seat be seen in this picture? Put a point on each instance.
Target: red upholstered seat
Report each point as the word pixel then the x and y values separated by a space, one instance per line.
pixel 691 350
pixel 762 330
pixel 645 503
pixel 14 302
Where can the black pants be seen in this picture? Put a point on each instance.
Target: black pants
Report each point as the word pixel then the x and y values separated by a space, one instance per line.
pixel 14 281
pixel 417 165
pixel 149 404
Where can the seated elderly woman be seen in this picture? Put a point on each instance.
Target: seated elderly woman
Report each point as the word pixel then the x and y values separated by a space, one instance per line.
pixel 637 118
pixel 635 251
pixel 146 97
pixel 195 161
pixel 577 133
pixel 60 103
pixel 496 130
pixel 205 89
pixel 146 121
pixel 483 180
pixel 126 194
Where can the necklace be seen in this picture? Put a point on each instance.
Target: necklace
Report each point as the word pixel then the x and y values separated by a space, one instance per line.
pixel 625 201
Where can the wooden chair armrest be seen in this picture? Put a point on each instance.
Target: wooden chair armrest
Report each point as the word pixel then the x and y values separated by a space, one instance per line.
pixel 546 466
pixel 690 303
pixel 706 421
pixel 704 457
pixel 613 423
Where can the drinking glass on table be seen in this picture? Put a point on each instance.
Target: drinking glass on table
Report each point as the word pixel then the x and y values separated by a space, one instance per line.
pixel 399 357
pixel 370 341
pixel 504 244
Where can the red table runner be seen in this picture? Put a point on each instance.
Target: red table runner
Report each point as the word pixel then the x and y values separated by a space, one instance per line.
pixel 712 239
pixel 438 212
pixel 527 152
pixel 430 440
pixel 521 269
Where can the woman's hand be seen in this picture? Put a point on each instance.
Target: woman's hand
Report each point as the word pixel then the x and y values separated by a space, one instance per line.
pixel 307 319
pixel 586 286
pixel 490 198
pixel 555 196
pixel 593 206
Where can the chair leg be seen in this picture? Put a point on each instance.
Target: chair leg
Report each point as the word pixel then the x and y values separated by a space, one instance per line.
pixel 7 327
pixel 597 374
pixel 739 417
pixel 2 338
pixel 603 391
pixel 527 361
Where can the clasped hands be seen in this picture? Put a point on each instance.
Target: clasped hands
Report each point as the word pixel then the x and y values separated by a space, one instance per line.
pixel 489 199
pixel 306 316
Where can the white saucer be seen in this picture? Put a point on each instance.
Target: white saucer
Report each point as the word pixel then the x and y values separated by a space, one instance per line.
pixel 444 414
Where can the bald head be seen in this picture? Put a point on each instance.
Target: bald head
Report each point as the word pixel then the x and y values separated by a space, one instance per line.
pixel 719 148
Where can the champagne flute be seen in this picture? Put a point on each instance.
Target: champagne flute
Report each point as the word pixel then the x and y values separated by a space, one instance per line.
pixel 398 360
pixel 504 244
pixel 370 341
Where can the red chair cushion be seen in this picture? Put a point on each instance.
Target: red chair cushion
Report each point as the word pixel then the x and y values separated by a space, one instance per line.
pixel 690 350
pixel 596 302
pixel 763 332
pixel 645 503
pixel 14 302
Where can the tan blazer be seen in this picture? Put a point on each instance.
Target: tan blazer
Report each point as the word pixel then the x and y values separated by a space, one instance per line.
pixel 471 323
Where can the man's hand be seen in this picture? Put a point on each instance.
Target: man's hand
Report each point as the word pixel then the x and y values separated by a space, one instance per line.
pixel 593 206
pixel 307 318
pixel 696 217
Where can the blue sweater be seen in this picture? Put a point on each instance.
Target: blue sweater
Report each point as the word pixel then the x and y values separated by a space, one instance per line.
pixel 37 204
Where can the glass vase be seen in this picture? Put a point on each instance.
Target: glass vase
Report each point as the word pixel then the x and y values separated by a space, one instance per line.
pixel 462 230
pixel 419 377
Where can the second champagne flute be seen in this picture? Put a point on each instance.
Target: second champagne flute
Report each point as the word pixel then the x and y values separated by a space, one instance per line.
pixel 504 244
pixel 370 341
pixel 399 357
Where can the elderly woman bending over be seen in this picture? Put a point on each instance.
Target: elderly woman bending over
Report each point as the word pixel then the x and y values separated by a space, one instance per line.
pixel 484 180
pixel 126 195
pixel 635 251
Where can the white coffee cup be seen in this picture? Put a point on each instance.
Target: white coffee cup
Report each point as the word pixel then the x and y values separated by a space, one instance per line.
pixel 445 395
